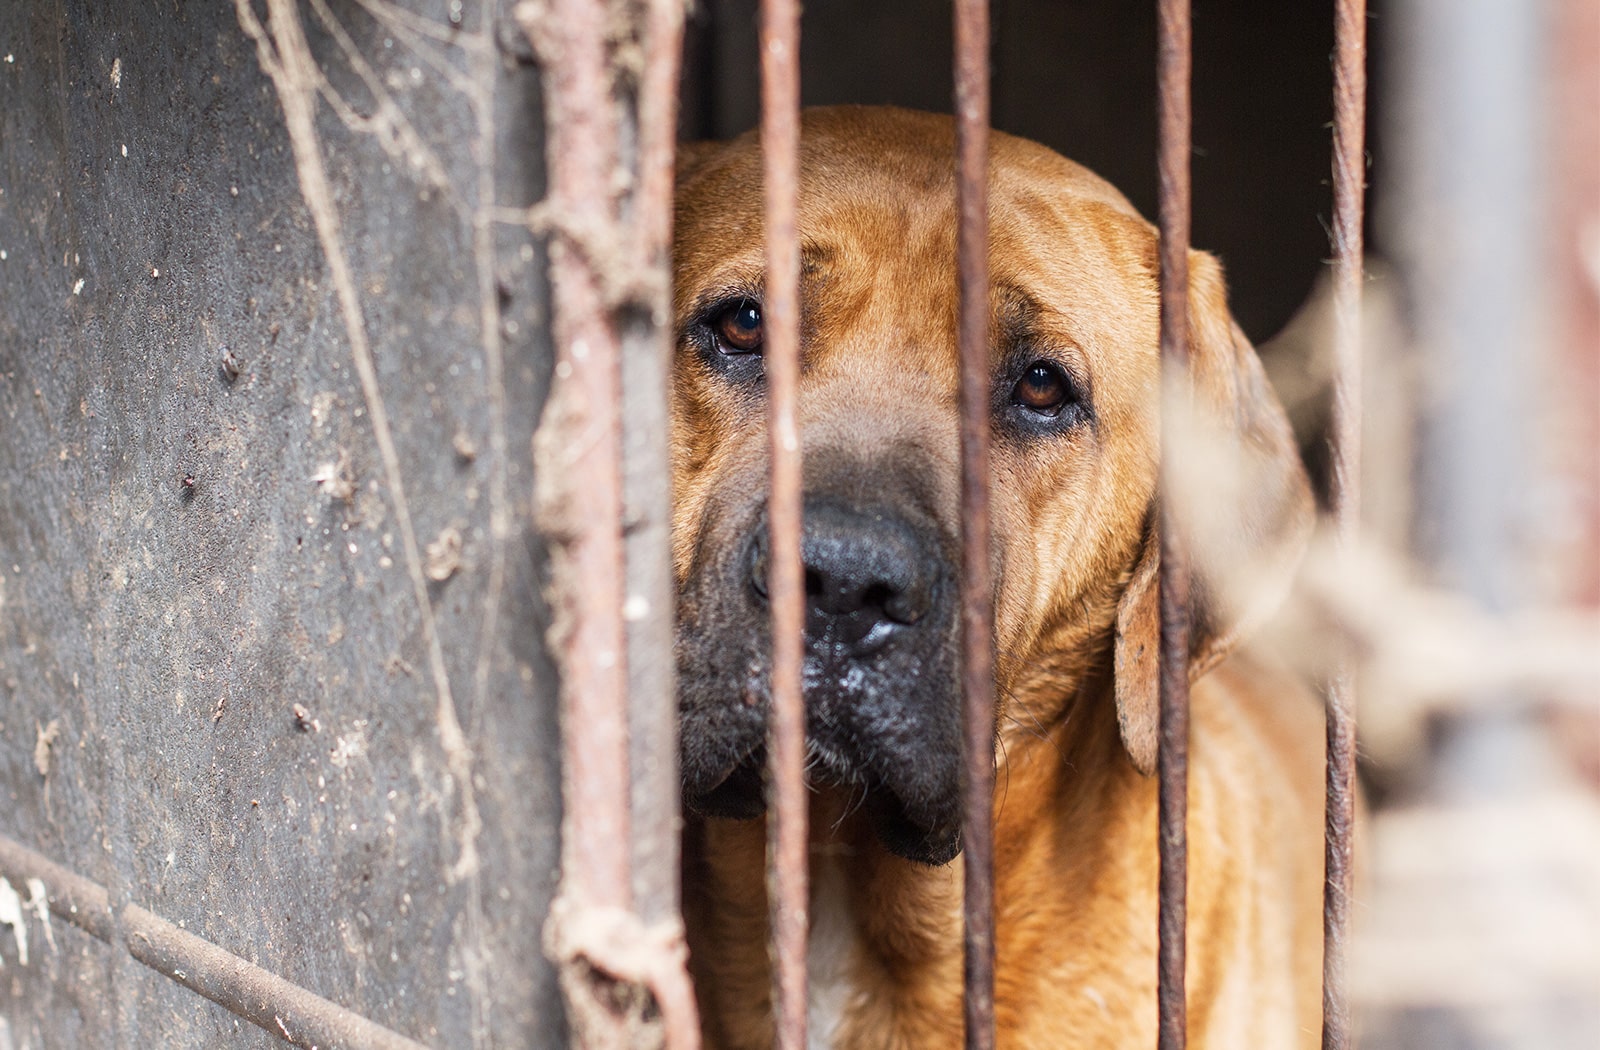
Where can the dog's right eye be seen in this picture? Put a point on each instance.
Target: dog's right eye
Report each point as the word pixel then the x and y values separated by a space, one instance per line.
pixel 738 328
pixel 1043 390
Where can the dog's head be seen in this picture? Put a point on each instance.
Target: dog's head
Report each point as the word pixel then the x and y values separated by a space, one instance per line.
pixel 1074 411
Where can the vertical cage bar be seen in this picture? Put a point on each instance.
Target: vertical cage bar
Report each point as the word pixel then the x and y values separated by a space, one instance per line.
pixel 787 808
pixel 617 872
pixel 597 826
pixel 1349 174
pixel 1173 66
pixel 977 601
pixel 647 495
pixel 1465 209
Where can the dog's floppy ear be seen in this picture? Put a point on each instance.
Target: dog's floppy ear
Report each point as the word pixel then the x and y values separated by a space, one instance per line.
pixel 1245 503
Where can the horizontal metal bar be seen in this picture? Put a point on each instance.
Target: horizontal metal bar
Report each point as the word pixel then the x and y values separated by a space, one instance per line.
pixel 269 1002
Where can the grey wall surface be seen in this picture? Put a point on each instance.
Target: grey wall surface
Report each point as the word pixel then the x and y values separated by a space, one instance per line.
pixel 175 579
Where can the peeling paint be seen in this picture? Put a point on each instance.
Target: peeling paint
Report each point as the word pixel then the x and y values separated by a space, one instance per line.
pixel 39 904
pixel 11 915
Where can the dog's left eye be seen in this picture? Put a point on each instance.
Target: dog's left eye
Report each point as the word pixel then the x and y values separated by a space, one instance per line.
pixel 738 328
pixel 1042 389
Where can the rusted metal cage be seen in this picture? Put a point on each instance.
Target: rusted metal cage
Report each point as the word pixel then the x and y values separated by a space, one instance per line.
pixel 608 76
pixel 787 806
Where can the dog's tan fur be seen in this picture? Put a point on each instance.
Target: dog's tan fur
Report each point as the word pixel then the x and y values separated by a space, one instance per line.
pixel 1075 855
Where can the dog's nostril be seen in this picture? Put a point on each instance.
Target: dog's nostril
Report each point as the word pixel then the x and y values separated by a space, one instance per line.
pixel 904 607
pixel 865 575
pixel 847 609
pixel 877 596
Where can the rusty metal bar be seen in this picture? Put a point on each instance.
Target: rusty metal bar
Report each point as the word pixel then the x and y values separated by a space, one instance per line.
pixel 1575 291
pixel 585 396
pixel 787 803
pixel 977 588
pixel 1349 175
pixel 647 345
pixel 276 1006
pixel 608 266
pixel 1173 71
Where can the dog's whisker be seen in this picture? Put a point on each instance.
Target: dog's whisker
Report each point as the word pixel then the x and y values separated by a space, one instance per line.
pixel 1003 781
pixel 857 799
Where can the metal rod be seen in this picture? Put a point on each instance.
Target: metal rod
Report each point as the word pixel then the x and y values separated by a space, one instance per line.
pixel 1349 174
pixel 787 803
pixel 977 589
pixel 271 1003
pixel 601 311
pixel 584 397
pixel 647 345
pixel 1173 70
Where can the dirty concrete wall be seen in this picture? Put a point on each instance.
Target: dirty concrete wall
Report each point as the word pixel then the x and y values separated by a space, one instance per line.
pixel 235 642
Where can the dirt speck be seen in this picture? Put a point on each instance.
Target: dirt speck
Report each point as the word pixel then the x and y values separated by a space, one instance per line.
pixel 228 364
pixel 466 449
pixel 348 747
pixel 444 555
pixel 336 478
pixel 44 738
pixel 323 403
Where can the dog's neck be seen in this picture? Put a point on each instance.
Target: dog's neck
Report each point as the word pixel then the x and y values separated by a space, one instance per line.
pixel 885 959
pixel 831 950
pixel 874 918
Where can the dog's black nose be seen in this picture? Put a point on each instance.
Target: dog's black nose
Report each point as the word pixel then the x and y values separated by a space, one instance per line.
pixel 866 575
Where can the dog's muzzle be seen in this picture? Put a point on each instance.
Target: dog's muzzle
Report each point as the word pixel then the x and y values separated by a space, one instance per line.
pixel 882 707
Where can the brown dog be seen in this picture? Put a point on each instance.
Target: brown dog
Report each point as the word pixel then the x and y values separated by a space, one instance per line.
pixel 1075 379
